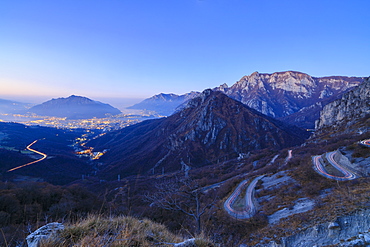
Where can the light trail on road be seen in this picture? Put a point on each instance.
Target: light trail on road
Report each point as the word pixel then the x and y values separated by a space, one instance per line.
pixel 290 155
pixel 249 209
pixel 365 143
pixel 33 162
pixel 318 160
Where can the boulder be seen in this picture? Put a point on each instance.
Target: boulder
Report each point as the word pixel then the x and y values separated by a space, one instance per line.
pixel 33 240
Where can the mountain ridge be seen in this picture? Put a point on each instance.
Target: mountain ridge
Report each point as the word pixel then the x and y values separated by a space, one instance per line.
pixel 74 107
pixel 291 96
pixel 164 104
pixel 210 128
pixel 283 93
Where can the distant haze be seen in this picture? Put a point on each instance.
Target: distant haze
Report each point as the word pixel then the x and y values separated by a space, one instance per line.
pixel 120 103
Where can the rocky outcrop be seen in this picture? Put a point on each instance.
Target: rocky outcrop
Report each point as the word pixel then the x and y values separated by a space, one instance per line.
pixel 347 110
pixel 349 230
pixel 284 93
pixel 34 239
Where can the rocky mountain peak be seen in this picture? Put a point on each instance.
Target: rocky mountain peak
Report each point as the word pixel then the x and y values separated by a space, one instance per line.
pixel 222 88
pixel 291 81
pixel 165 96
pixel 283 93
pixel 197 101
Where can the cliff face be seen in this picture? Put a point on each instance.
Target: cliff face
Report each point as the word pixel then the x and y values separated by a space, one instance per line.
pixel 353 106
pixel 283 93
pixel 349 230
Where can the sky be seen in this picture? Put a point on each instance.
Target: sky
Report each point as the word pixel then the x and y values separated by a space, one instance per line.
pixel 128 50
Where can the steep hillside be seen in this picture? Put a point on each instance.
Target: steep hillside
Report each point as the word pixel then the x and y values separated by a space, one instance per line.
pixel 210 129
pixel 348 110
pixel 74 107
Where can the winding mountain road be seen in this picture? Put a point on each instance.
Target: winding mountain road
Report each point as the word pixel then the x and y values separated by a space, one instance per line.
pixel 318 166
pixel 365 143
pixel 33 162
pixel 250 208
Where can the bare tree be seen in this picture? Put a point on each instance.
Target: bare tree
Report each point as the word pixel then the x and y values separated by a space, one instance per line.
pixel 183 195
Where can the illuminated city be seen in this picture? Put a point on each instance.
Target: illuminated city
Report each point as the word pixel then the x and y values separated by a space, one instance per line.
pixel 104 124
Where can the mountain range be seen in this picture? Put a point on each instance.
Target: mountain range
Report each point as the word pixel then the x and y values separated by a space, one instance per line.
pixel 295 191
pixel 209 129
pixel 294 97
pixel 74 107
pixel 164 104
pixel 9 106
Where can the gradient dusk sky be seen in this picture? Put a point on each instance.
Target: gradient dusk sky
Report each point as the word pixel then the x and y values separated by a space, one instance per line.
pixel 138 48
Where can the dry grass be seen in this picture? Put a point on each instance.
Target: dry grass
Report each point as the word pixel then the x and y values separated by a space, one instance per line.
pixel 113 232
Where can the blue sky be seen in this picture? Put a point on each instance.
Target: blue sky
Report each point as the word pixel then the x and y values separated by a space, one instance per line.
pixel 138 48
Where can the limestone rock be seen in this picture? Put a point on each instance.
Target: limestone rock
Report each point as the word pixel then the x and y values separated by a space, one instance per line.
pixel 353 106
pixel 33 240
pixel 348 230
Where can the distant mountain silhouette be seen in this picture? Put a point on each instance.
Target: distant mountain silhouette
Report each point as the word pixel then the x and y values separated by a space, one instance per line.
pixel 211 128
pixel 74 107
pixel 164 104
pixel 9 106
